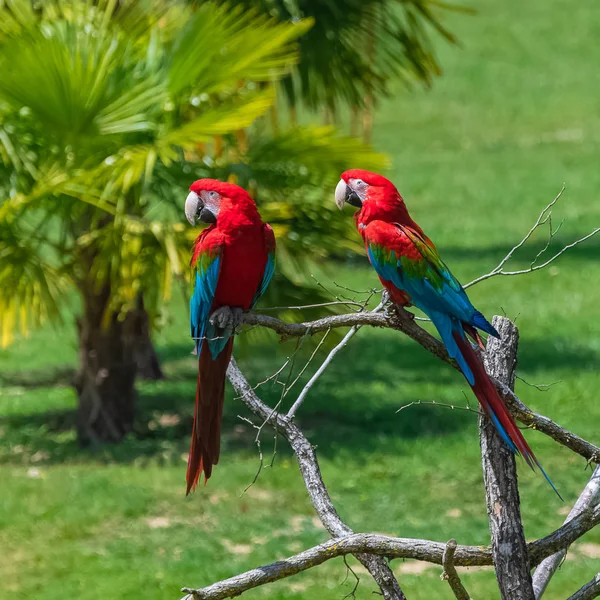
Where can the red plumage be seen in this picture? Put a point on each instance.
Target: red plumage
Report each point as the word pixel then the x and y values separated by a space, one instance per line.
pixel 242 243
pixel 410 268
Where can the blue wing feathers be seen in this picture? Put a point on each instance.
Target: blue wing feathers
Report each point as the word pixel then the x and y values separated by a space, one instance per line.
pixel 201 303
pixel 202 300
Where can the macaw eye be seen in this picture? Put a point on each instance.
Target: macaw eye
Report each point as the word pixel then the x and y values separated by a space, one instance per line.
pixel 213 195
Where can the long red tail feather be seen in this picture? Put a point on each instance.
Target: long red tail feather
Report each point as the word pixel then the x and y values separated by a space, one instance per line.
pixel 208 412
pixel 490 399
pixel 494 407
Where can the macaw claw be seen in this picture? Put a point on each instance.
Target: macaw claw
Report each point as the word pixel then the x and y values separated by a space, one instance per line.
pixel 227 317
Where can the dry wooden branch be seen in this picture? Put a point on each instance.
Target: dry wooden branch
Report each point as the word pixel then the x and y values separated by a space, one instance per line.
pixel 509 549
pixel 399 320
pixel 311 473
pixel 389 547
pixel 326 363
pixel 450 574
pixel 548 566
pixel 589 591
pixel 544 217
pixel 370 549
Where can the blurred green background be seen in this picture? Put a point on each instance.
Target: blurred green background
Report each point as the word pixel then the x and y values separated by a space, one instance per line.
pixel 513 117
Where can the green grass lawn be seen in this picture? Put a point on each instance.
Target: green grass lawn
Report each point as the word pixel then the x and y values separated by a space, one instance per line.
pixel 515 116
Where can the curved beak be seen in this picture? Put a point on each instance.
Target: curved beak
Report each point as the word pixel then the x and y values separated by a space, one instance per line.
pixel 344 193
pixel 340 194
pixel 193 206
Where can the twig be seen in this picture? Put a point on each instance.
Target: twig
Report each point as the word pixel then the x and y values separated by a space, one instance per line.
pixel 349 569
pixel 589 591
pixel 544 217
pixel 540 387
pixel 548 566
pixel 434 403
pixel 321 342
pixel 385 546
pixel 450 575
pixel 325 364
pixel 307 306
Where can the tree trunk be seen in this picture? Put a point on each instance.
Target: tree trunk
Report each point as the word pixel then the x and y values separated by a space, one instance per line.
pixel 106 375
pixel 137 323
pixel 509 549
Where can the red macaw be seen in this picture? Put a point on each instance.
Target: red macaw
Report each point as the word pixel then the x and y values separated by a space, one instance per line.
pixel 410 268
pixel 233 262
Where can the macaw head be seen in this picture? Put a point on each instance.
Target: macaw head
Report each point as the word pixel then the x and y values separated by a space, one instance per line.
pixel 357 187
pixel 209 198
pixel 375 196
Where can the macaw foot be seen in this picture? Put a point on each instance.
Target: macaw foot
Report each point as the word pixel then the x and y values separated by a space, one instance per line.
pixel 227 318
pixel 398 311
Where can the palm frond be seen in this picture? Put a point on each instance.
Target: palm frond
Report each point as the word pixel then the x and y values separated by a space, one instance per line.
pixel 221 45
pixel 30 285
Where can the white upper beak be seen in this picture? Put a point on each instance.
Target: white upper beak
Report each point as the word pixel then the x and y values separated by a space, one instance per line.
pixel 191 207
pixel 340 194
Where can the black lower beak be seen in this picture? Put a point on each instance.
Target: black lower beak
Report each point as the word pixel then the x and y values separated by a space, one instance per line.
pixel 206 216
pixel 352 198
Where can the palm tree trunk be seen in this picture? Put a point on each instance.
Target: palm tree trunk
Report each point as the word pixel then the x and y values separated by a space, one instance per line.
pixel 106 376
pixel 137 323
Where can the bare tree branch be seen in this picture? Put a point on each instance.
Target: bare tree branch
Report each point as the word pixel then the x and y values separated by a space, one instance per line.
pixel 325 364
pixel 589 591
pixel 548 566
pixel 509 549
pixel 309 467
pixel 399 320
pixel 389 547
pixel 544 217
pixel 369 548
pixel 450 575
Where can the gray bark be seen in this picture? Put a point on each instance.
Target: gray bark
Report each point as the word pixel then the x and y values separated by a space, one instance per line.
pixel 548 566
pixel 509 548
pixel 389 547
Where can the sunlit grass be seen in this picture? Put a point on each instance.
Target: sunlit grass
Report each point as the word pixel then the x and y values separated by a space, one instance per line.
pixel 477 157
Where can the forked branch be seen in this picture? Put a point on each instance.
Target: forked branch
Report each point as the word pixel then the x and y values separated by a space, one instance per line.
pixel 400 321
pixel 388 547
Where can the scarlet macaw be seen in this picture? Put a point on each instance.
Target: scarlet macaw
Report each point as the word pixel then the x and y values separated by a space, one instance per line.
pixel 233 260
pixel 410 268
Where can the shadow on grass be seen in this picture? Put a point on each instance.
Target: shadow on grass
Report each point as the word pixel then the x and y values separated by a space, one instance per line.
pixel 353 407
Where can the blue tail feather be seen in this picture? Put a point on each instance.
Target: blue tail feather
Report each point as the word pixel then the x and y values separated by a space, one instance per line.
pixel 503 433
pixel 482 323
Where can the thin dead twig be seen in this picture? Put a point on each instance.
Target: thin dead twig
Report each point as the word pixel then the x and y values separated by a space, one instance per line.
pixel 325 364
pixel 544 217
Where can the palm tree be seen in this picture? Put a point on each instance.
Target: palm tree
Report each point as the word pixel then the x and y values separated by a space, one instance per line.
pixel 107 113
pixel 357 48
